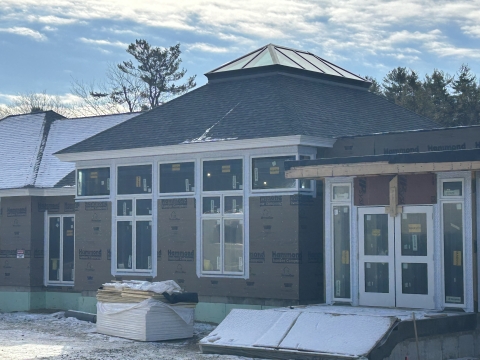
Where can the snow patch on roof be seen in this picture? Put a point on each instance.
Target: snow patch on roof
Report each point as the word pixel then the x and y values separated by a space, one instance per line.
pixel 64 133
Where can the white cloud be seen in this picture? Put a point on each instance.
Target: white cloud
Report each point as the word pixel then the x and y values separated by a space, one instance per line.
pixel 206 48
pixel 51 19
pixel 473 30
pixel 103 42
pixel 24 31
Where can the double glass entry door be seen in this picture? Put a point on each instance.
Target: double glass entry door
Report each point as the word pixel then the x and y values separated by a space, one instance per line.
pixel 396 257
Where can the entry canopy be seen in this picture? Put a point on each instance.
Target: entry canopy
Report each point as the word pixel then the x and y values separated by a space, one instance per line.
pixel 456 160
pixel 279 55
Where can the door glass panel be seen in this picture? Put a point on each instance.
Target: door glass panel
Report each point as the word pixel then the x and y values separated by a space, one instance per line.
pixel 341 240
pixel 54 249
pixel 233 258
pixel 453 252
pixel 414 278
pixel 211 245
pixel 68 248
pixel 124 244
pixel 124 207
pixel 233 205
pixel 143 244
pixel 211 205
pixel 144 207
pixel 376 234
pixel 376 277
pixel 414 234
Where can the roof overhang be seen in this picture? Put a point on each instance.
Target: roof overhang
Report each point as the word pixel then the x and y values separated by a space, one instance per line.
pixel 208 145
pixel 438 161
pixel 66 191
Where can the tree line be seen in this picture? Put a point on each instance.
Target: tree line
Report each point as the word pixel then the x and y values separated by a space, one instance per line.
pixel 450 100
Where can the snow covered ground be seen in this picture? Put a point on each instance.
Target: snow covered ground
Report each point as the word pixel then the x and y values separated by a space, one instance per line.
pixel 52 336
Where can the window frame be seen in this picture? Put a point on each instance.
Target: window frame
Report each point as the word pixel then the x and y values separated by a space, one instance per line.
pixel 292 189
pixel 133 218
pixel 349 204
pixel 177 194
pixel 92 197
pixel 452 200
pixel 220 216
pixel 47 281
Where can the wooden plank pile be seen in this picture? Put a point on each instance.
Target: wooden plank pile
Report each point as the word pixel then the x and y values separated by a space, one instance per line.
pixel 133 310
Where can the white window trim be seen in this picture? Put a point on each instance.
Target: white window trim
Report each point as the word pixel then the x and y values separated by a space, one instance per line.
pixel 115 218
pixel 466 201
pixel 92 197
pixel 46 280
pixel 177 194
pixel 200 217
pixel 329 246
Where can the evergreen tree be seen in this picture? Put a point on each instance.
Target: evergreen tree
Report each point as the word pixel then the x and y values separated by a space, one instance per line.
pixel 466 93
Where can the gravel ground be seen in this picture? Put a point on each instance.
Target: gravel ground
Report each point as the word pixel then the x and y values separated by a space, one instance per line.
pixel 52 336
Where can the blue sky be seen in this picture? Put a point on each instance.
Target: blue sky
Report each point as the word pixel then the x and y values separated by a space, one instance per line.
pixel 46 43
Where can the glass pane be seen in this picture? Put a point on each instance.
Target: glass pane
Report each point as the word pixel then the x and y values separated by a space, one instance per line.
pixel 211 205
pixel 376 234
pixel 93 182
pixel 143 245
pixel 453 252
pixel 286 61
pixel 239 64
pixel 269 173
pixel 124 244
pixel 144 207
pixel 233 204
pixel 177 178
pixel 341 239
pixel 305 184
pixel 414 234
pixel 261 60
pixel 341 192
pixel 211 245
pixel 134 179
pixel 223 175
pixel 68 248
pixel 452 188
pixel 54 249
pixel 299 60
pixel 376 277
pixel 233 254
pixel 124 208
pixel 326 69
pixel 414 278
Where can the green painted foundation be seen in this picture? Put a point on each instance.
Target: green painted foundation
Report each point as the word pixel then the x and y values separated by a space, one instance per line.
pixel 11 301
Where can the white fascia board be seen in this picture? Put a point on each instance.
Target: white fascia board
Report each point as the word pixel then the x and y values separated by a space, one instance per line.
pixel 67 191
pixel 199 147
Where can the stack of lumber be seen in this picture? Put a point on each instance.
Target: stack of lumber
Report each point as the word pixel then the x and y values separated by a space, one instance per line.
pixel 126 309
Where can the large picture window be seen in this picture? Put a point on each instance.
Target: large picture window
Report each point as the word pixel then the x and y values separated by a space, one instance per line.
pixel 223 175
pixel 93 182
pixel 134 179
pixel 222 235
pixel 177 177
pixel 269 173
pixel 61 249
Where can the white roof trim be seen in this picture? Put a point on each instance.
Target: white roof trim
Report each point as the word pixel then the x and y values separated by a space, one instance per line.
pixel 198 147
pixel 38 192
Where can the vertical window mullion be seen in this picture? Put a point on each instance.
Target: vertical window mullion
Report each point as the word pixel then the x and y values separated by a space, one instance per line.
pixel 60 277
pixel 134 235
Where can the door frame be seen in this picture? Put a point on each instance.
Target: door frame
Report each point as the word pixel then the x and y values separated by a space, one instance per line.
pixel 375 299
pixel 46 280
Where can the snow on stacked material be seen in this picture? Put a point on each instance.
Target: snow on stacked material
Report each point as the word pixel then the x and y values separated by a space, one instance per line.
pixel 300 329
pixel 141 310
pixel 149 320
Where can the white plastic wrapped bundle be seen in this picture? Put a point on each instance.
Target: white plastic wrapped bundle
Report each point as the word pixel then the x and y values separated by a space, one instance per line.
pixel 149 320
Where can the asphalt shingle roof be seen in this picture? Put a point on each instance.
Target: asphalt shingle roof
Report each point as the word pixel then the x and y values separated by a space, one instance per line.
pixel 266 105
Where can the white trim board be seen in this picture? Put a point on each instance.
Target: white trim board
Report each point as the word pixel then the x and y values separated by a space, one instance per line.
pixel 38 192
pixel 207 146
